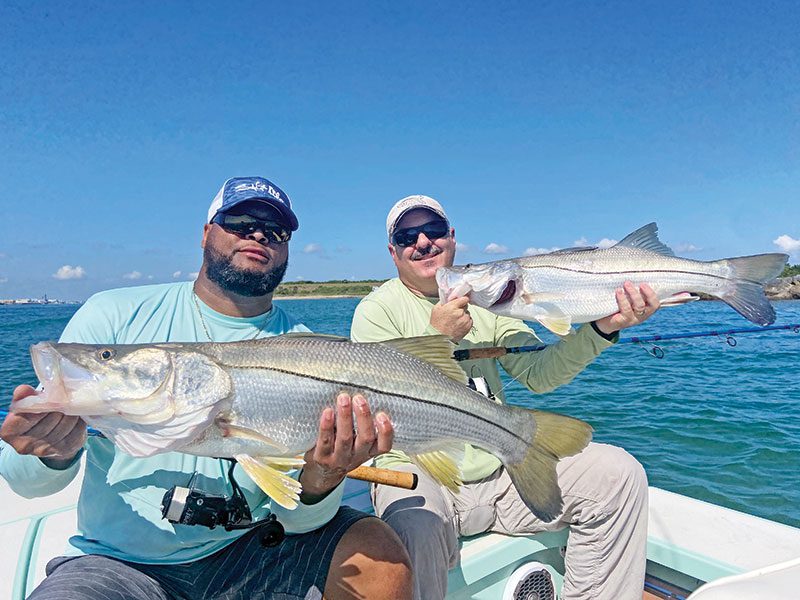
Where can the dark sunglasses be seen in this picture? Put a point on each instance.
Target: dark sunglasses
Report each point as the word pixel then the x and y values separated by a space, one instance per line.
pixel 245 225
pixel 433 230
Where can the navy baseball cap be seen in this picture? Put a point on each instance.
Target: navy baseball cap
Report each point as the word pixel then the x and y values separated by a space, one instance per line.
pixel 241 189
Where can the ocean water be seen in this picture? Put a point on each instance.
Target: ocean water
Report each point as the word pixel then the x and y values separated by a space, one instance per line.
pixel 709 420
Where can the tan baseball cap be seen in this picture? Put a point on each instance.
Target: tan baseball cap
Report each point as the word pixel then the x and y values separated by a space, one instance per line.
pixel 409 203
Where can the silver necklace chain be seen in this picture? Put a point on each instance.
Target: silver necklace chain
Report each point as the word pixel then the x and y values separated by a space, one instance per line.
pixel 205 327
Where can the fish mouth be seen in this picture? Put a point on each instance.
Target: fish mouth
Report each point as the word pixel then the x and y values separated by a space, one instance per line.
pixel 56 375
pixel 45 361
pixel 507 295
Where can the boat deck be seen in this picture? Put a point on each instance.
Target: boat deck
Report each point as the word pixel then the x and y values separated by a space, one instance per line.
pixel 690 542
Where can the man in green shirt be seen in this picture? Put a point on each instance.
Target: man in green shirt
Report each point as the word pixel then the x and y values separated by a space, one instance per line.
pixel 604 488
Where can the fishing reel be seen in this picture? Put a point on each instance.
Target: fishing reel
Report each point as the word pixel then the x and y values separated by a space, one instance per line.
pixel 191 506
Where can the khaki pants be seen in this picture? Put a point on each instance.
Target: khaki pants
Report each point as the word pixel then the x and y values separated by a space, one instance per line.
pixel 605 507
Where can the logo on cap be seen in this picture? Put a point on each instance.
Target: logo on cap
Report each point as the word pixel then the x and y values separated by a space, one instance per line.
pixel 259 186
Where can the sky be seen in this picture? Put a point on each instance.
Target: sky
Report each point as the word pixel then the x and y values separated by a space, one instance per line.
pixel 538 125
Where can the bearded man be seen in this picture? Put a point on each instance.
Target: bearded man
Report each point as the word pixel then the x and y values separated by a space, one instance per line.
pixel 123 549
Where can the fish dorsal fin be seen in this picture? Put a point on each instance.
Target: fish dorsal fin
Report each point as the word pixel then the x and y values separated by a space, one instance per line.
pixel 267 473
pixel 646 238
pixel 309 334
pixel 573 250
pixel 436 350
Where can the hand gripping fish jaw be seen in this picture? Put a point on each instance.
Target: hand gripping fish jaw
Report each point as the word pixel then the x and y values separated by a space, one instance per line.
pixel 191 506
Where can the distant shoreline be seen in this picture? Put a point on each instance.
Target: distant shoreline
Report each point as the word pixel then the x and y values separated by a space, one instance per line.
pixel 317 297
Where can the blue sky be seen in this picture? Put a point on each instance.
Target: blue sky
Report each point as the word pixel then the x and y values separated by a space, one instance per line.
pixel 537 125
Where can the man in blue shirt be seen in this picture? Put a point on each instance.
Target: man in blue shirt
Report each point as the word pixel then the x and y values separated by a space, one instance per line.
pixel 123 548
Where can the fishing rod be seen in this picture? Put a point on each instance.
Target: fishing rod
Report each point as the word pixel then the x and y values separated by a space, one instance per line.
pixel 657 351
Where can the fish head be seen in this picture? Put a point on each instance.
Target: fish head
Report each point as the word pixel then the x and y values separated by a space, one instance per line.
pixel 487 285
pixel 83 379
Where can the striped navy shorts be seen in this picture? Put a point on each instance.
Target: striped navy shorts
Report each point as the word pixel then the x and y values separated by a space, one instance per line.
pixel 295 569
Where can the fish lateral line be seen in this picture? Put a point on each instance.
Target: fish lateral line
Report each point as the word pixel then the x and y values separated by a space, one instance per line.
pixel 395 395
pixel 645 271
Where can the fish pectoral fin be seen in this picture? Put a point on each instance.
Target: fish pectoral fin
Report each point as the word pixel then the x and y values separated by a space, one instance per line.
pixel 228 429
pixel 268 473
pixel 436 350
pixel 440 465
pixel 678 299
pixel 538 298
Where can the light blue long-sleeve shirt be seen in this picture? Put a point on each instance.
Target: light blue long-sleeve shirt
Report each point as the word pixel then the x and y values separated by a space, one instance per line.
pixel 119 510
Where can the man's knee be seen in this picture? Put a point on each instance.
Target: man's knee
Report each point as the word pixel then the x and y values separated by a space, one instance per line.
pixel 370 555
pixel 625 479
pixel 413 525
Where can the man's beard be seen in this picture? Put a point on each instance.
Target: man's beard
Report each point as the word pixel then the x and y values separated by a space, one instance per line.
pixel 244 282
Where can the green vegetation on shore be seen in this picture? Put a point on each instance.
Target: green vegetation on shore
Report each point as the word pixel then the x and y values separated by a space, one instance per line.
pixel 791 271
pixel 338 287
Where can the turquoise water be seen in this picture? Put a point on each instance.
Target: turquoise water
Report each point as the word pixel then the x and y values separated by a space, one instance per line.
pixel 709 420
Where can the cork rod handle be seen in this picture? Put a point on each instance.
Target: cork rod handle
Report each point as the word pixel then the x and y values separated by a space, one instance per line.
pixel 399 479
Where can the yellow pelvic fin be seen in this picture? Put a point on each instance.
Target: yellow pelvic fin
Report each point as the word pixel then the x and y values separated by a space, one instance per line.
pixel 678 299
pixel 266 472
pixel 434 349
pixel 441 466
pixel 558 324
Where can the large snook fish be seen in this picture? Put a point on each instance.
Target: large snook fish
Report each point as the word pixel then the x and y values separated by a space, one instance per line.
pixel 576 285
pixel 260 401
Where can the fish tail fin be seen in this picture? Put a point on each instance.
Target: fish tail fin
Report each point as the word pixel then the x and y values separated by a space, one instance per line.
pixel 535 477
pixel 745 293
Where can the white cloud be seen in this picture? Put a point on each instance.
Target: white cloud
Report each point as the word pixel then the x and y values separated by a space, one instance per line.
pixel 149 276
pixel 3 279
pixel 581 242
pixel 787 244
pixel 192 276
pixel 132 275
pixel 69 272
pixel 535 251
pixel 313 249
pixel 607 243
pixel 495 249
pixel 176 274
pixel 687 247
pixel 461 247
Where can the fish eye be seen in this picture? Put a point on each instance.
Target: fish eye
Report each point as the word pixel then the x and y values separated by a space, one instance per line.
pixel 105 354
pixel 469 266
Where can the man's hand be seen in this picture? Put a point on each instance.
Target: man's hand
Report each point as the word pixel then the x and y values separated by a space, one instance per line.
pixel 53 437
pixel 452 318
pixel 635 306
pixel 339 449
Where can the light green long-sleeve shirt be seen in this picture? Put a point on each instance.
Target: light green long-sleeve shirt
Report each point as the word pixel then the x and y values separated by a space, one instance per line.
pixel 394 311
